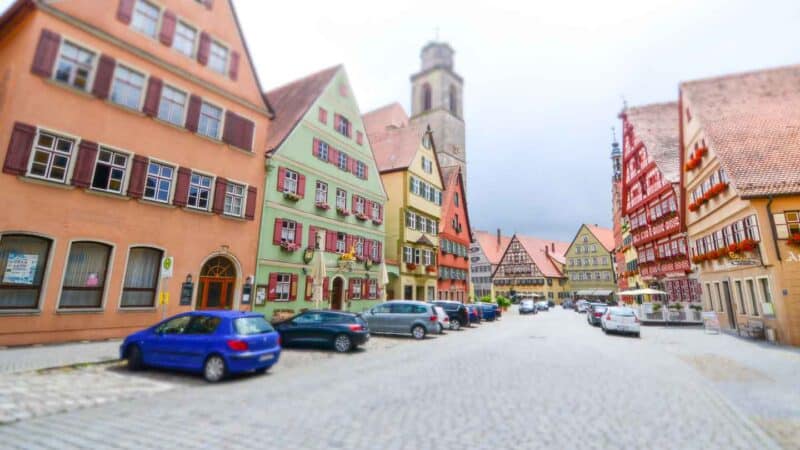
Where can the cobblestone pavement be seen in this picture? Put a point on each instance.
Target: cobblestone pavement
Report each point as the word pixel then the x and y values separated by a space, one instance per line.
pixel 544 381
pixel 21 359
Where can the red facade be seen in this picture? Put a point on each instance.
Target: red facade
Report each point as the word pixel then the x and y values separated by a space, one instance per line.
pixel 454 239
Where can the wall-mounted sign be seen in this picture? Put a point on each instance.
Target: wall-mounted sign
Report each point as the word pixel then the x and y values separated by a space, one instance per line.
pixel 246 290
pixel 261 295
pixel 166 267
pixel 744 262
pixel 186 293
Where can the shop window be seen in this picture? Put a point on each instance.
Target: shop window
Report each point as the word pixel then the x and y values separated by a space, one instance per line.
pixel 141 278
pixel 85 275
pixel 23 261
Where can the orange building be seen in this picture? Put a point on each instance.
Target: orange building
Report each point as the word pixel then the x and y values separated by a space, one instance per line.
pixel 454 238
pixel 128 134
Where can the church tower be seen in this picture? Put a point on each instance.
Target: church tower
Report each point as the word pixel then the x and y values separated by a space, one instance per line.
pixel 437 101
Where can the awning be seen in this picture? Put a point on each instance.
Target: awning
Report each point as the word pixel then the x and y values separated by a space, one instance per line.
pixel 594 293
pixel 646 291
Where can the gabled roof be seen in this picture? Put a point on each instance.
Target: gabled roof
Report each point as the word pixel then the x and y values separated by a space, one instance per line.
pixel 391 115
pixel 604 235
pixel 292 101
pixel 752 124
pixel 538 249
pixel 454 181
pixel 488 242
pixel 14 11
pixel 657 127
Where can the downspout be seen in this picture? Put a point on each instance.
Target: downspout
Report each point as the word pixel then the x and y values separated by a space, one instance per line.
pixel 774 231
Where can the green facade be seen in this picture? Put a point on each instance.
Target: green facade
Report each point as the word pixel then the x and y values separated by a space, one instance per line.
pixel 296 153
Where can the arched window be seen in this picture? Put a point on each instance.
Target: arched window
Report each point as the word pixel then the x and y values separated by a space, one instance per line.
pixel 23 260
pixel 141 277
pixel 427 97
pixel 85 277
pixel 453 100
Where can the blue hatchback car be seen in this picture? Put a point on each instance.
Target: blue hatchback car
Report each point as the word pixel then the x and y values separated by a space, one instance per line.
pixel 216 343
pixel 489 311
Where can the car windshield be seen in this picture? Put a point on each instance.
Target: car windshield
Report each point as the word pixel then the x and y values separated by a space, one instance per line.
pixel 246 326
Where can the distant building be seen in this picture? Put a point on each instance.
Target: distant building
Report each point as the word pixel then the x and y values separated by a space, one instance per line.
pixel 486 251
pixel 532 268
pixel 454 238
pixel 589 263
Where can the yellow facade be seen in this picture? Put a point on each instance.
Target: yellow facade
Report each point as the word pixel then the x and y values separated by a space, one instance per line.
pixel 589 266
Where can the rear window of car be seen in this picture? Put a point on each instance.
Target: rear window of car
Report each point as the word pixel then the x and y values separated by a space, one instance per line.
pixel 246 326
pixel 623 312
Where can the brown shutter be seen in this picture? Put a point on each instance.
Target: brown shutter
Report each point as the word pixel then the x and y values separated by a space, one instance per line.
pixel 103 76
pixel 250 208
pixel 168 22
pixel 246 130
pixel 46 52
pixel 153 96
pixel 182 186
pixel 276 232
pixel 193 113
pixel 19 149
pixel 272 288
pixel 219 195
pixel 233 70
pixel 138 175
pixel 125 11
pixel 84 164
pixel 229 135
pixel 309 286
pixel 325 287
pixel 204 48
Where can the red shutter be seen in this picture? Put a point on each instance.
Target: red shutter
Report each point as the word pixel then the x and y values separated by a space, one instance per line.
pixel 103 76
pixel 293 288
pixel 281 178
pixel 366 171
pixel 315 148
pixel 233 70
pixel 323 115
pixel 359 137
pixel 309 287
pixel 250 208
pixel 367 249
pixel 380 251
pixel 46 51
pixel 365 288
pixel 333 156
pixel 325 287
pixel 276 232
pixel 209 3
pixel 193 113
pixel 298 234
pixel 220 186
pixel 204 48
pixel 19 149
pixel 168 22
pixel 312 231
pixel 125 11
pixel 350 286
pixel 336 119
pixel 351 165
pixel 272 288
pixel 330 241
pixel 229 134
pixel 182 186
pixel 368 208
pixel 153 96
pixel 301 185
pixel 246 130
pixel 380 212
pixel 348 243
pixel 84 164
pixel 138 175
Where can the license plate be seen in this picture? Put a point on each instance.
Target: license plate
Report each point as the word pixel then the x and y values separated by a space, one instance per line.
pixel 266 357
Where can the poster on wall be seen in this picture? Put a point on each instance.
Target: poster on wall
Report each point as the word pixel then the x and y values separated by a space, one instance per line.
pixel 20 268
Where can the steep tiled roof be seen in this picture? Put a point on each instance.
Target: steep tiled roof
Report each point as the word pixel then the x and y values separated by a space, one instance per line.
pixel 538 249
pixel 291 102
pixel 752 124
pixel 391 115
pixel 450 175
pixel 488 243
pixel 656 126
pixel 395 148
pixel 604 235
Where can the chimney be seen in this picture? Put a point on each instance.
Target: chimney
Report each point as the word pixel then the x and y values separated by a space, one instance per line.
pixel 498 238
pixel 553 247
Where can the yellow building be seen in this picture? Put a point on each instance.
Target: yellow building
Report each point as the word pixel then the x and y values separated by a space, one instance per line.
pixel 410 172
pixel 589 263
pixel 532 268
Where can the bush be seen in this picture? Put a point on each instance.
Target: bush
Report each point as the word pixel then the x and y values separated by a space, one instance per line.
pixel 503 302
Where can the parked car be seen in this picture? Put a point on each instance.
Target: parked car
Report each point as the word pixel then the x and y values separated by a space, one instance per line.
pixel 214 343
pixel 551 303
pixel 403 317
pixel 595 312
pixel 343 331
pixel 475 313
pixel 581 306
pixel 488 311
pixel 444 320
pixel 567 304
pixel 527 307
pixel 457 312
pixel 621 320
pixel 543 305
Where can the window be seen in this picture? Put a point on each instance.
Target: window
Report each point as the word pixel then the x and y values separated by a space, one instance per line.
pixel 342 161
pixel 323 150
pixel 453 100
pixel 145 18
pixel 427 165
pixel 321 196
pixel 141 277
pixel 751 289
pixel 343 126
pixel 85 275
pixel 426 97
pixel 766 296
pixel 359 205
pixel 290 181
pixel 23 261
pixel 411 220
pixel 417 255
pixel 428 257
pixel 210 119
pixel 199 191
pixel 375 251
pixel 376 211
pixel 740 293
pixel 408 254
pixel 373 288
pixel 355 288
pixel 172 106
pixel 74 66
pixel 594 248
pixel 234 199
pixel 359 246
pixel 415 186
pixel 341 199
pixel 288 229
pixel 51 156
pixel 109 171
pixel 218 58
pixel 128 87
pixel 184 39
pixel 361 169
pixel 751 228
pixel 159 182
pixel 341 242
pixel 710 297
pixel 422 223
pixel 283 287
pixel 719 298
pixel 175 326
pixel 455 198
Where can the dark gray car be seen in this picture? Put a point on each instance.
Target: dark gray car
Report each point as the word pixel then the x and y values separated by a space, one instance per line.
pixel 595 312
pixel 402 317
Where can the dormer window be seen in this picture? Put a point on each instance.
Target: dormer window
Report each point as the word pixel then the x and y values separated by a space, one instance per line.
pixel 343 125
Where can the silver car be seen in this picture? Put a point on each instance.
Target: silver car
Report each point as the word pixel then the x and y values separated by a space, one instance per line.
pixel 403 317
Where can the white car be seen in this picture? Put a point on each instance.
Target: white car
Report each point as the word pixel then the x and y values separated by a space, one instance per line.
pixel 620 320
pixel 444 320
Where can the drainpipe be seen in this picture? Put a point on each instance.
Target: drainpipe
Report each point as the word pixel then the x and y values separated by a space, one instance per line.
pixel 774 231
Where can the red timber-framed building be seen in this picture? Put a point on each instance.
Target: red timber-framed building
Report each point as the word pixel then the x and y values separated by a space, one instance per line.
pixel 651 198
pixel 454 238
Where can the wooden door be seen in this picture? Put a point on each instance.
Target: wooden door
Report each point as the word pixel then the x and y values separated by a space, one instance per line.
pixel 217 293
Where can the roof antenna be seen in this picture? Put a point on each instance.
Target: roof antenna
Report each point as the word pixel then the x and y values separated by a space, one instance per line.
pixel 436 33
pixel 624 102
pixel 613 135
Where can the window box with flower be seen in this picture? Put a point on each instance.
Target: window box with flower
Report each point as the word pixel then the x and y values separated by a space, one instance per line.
pixel 291 196
pixel 289 246
pixel 430 269
pixel 322 205
pixel 411 266
pixel 342 211
pixel 361 216
pixel 794 239
pixel 377 221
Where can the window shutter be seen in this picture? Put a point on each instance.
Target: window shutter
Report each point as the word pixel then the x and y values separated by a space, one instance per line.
pixel 193 113
pixel 250 208
pixel 293 288
pixel 348 243
pixel 367 249
pixel 209 3
pixel 330 241
pixel 103 76
pixel 125 11
pixel 229 134
pixel 246 130
pixel 350 286
pixel 301 185
pixel 380 212
pixel 366 171
pixel 353 204
pixel 138 174
pixel 182 186
pixel 46 51
pixel 365 288
pixel 19 149
pixel 168 21
pixel 380 251
pixel 204 48
pixel 220 186
pixel 351 165
pixel 309 286
pixel 298 234
pixel 315 148
pixel 323 115
pixel 368 208
pixel 312 231
pixel 153 96
pixel 272 288
pixel 233 70
pixel 276 232
pixel 281 178
pixel 82 173
pixel 359 137
pixel 325 287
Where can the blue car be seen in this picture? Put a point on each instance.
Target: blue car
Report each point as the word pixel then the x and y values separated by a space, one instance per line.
pixel 216 343
pixel 489 311
pixel 475 313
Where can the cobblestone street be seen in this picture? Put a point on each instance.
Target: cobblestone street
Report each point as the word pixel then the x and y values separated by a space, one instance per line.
pixel 544 381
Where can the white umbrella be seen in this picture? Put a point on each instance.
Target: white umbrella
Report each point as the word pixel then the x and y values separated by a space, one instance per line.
pixel 318 273
pixel 646 291
pixel 384 280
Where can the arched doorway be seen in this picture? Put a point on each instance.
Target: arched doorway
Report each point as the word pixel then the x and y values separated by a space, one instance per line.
pixel 337 294
pixel 216 285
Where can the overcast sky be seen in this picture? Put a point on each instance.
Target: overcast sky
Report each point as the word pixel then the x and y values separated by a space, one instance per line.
pixel 544 80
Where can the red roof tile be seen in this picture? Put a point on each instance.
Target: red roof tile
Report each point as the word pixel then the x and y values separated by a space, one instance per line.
pixel 538 249
pixel 451 176
pixel 490 247
pixel 604 235
pixel 391 115
pixel 656 126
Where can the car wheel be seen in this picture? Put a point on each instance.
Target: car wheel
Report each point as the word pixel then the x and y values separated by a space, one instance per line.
pixel 636 335
pixel 418 331
pixel 605 331
pixel 135 358
pixel 455 324
pixel 214 369
pixel 342 343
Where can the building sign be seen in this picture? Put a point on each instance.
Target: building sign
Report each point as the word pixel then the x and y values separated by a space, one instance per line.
pixel 20 268
pixel 166 267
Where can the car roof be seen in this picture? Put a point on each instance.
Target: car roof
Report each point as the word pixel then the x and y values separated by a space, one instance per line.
pixel 225 314
pixel 413 302
pixel 343 313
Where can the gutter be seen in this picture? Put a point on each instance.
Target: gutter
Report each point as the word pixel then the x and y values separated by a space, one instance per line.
pixel 774 230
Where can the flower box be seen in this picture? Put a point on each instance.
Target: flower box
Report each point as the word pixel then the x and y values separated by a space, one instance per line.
pixel 377 221
pixel 290 246
pixel 794 239
pixel 342 211
pixel 747 245
pixel 322 205
pixel 291 196
pixel 430 269
pixel 411 266
pixel 361 216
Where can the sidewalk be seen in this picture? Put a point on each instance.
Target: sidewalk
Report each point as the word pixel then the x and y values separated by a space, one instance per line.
pixel 24 359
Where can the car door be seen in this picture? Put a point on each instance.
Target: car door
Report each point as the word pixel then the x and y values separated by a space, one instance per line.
pixel 162 349
pixel 196 342
pixel 399 318
pixel 304 328
pixel 378 318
